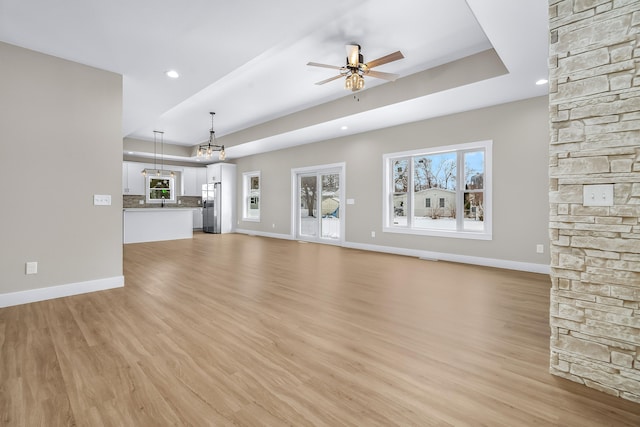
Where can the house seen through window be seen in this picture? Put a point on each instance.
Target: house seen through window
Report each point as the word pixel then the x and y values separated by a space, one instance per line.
pixel 441 191
pixel 251 196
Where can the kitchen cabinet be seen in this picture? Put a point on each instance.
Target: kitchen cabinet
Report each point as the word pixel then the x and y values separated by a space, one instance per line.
pixel 197 218
pixel 193 179
pixel 132 178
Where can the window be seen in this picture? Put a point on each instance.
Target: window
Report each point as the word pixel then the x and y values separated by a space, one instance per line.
pixel 251 196
pixel 457 178
pixel 160 189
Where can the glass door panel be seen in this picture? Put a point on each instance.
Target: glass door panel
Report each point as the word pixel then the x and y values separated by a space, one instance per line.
pixel 330 206
pixel 308 224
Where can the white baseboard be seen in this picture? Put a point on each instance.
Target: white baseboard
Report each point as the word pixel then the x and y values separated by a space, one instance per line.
pixel 264 234
pixel 464 259
pixel 42 294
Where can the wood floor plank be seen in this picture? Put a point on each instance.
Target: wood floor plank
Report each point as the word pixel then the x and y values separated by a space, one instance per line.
pixel 247 331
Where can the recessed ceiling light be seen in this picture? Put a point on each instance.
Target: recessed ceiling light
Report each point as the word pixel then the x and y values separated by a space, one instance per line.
pixel 344 127
pixel 542 82
pixel 172 74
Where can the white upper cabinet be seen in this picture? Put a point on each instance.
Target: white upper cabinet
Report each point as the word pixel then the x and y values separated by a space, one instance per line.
pixel 132 178
pixel 193 179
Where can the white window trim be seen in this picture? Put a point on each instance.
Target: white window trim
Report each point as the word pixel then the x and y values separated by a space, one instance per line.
pixel 487 234
pixel 246 183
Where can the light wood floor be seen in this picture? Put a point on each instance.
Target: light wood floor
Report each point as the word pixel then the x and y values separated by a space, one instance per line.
pixel 239 330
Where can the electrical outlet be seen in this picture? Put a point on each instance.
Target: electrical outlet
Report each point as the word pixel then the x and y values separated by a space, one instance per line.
pixel 273 226
pixel 373 234
pixel 141 202
pixel 31 267
pixel 540 249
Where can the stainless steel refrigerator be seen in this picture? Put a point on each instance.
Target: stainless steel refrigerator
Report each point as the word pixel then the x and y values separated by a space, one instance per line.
pixel 211 207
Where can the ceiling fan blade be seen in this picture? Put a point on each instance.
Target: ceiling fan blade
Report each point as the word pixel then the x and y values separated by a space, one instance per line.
pixel 353 54
pixel 315 64
pixel 385 59
pixel 380 75
pixel 330 79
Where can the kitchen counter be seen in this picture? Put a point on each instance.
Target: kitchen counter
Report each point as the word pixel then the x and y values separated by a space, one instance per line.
pixel 155 224
pixel 158 209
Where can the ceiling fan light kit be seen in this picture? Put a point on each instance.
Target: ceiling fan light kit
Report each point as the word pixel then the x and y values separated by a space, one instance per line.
pixel 355 69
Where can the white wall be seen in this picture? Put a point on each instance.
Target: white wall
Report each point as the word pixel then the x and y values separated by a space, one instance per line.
pixel 520 137
pixel 60 125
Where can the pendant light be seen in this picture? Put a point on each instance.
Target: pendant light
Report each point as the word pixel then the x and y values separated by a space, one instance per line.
pixel 161 171
pixel 206 151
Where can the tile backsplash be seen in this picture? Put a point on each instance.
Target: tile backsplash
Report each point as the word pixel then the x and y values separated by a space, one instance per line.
pixel 133 201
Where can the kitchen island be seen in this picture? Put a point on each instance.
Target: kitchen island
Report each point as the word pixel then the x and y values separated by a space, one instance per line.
pixel 155 224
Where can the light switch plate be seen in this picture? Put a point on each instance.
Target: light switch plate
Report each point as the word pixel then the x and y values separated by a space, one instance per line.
pixel 597 195
pixel 102 200
pixel 351 201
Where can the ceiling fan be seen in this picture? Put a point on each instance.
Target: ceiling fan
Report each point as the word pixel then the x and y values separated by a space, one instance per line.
pixel 356 69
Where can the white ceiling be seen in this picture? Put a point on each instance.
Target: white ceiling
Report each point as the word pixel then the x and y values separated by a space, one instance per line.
pixel 246 60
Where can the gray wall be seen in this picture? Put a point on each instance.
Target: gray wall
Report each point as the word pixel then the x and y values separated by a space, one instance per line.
pixel 60 131
pixel 520 135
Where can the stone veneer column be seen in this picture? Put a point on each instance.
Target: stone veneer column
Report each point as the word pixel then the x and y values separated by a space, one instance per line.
pixel 595 139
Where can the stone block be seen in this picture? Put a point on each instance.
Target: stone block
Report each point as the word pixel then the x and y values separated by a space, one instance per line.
pixel 577 296
pixel 602 254
pixel 601 33
pixel 622 359
pixel 627 293
pixel 604 227
pixel 605 107
pixel 625 211
pixel 583 165
pixel 564 323
pixel 565 375
pixel 601 120
pixel 602 388
pixel 614 302
pixel 629 373
pixel 621 52
pixel 571 262
pixel 572 133
pixel 604 308
pixel 605 277
pixel 608 342
pixel 635 115
pixel 588 59
pixel 608 380
pixel 630 396
pixel 585 348
pixel 618 332
pixel 624 320
pixel 581 88
pixel 604 8
pixel 620 82
pixel 582 5
pixel 590 288
pixel 605 244
pixel 621 165
pixel 569 312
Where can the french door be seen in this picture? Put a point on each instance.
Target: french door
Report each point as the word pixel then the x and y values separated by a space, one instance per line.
pixel 318 200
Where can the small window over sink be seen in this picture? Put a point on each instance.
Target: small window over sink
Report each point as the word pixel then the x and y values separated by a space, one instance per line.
pixel 160 189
